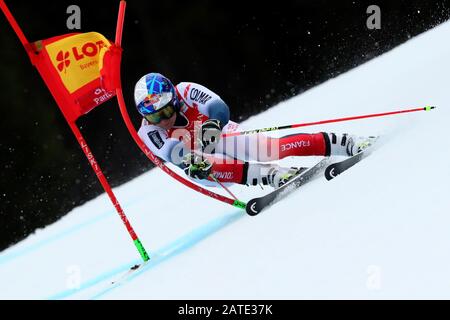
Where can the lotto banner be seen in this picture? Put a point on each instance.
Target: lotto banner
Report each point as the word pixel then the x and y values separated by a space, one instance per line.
pixel 71 66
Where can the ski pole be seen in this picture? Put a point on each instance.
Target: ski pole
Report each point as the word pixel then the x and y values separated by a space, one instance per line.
pixel 237 203
pixel 223 186
pixel 291 126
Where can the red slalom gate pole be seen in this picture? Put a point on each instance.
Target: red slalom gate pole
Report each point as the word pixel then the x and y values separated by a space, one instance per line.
pixel 159 163
pixel 120 20
pixel 12 21
pixel 101 177
pixel 123 110
pixel 82 142
pixel 291 126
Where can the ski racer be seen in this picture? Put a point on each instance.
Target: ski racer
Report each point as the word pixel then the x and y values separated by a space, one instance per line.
pixel 183 124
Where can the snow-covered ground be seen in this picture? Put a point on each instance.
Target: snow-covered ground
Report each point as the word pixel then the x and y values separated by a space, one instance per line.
pixel 381 230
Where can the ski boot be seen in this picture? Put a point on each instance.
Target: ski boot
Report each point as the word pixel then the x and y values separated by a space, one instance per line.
pixel 269 174
pixel 349 145
pixel 278 177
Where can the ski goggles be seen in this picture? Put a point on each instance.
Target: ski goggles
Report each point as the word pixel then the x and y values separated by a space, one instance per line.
pixel 165 113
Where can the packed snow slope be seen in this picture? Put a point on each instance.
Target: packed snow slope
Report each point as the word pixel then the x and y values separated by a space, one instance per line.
pixel 381 230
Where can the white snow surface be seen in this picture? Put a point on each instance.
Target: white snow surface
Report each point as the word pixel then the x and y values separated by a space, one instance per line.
pixel 379 231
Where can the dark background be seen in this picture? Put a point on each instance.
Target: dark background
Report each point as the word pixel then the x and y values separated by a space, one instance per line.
pixel 252 56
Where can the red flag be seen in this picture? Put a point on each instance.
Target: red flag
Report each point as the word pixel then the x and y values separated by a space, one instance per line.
pixel 71 67
pixel 74 70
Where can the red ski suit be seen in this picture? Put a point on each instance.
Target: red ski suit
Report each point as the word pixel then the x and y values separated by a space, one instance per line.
pixel 232 154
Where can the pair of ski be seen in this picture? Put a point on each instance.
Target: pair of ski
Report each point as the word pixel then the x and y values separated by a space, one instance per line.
pixel 332 170
pixel 256 205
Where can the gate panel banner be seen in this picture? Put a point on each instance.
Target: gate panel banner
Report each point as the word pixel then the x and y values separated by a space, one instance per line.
pixel 71 67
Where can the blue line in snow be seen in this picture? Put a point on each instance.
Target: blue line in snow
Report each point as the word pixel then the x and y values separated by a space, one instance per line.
pixel 4 258
pixel 169 251
pixel 18 252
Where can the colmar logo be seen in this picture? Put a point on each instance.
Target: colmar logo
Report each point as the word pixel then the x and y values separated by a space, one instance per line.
pixel 64 58
pixel 199 96
pixel 227 175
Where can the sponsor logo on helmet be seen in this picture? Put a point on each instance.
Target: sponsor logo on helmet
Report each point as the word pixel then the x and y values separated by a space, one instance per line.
pixel 153 98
